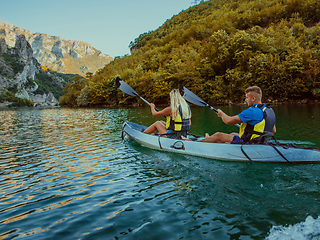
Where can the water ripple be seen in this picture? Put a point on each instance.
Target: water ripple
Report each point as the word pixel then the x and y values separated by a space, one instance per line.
pixel 66 174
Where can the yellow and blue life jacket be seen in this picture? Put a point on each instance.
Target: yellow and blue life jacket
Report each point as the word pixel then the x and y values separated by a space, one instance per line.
pixel 262 131
pixel 178 124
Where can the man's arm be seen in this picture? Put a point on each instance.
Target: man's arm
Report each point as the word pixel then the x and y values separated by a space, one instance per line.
pixel 228 119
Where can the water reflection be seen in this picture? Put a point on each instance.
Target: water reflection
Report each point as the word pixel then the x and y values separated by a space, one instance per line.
pixel 52 154
pixel 66 174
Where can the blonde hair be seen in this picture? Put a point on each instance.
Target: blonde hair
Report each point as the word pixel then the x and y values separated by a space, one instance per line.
pixel 175 100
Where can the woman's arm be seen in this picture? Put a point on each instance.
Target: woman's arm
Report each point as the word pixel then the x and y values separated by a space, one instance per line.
pixel 164 112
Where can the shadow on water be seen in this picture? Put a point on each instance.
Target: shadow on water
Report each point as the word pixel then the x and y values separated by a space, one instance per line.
pixel 66 174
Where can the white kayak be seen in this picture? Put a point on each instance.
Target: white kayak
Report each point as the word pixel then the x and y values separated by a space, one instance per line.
pixel 272 153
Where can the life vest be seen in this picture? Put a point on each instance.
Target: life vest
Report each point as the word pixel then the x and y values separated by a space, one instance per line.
pixel 178 124
pixel 262 131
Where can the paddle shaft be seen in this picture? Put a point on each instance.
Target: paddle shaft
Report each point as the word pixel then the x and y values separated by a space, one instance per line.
pixel 124 87
pixel 213 109
pixel 193 98
pixel 145 101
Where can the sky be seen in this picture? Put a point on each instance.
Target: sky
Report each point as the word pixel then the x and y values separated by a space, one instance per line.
pixel 107 25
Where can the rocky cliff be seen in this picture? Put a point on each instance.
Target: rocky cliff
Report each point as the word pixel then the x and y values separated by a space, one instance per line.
pixel 20 73
pixel 56 53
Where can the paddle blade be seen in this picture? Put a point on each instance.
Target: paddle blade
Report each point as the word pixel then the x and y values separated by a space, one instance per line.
pixel 194 99
pixel 191 97
pixel 124 87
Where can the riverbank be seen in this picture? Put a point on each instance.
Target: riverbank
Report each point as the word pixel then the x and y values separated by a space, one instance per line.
pixel 230 103
pixel 272 102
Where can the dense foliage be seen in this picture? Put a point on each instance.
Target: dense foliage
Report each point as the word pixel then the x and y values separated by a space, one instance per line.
pixel 7 96
pixel 47 84
pixel 67 77
pixel 217 49
pixel 72 92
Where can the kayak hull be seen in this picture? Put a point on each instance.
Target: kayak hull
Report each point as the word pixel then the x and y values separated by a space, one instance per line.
pixel 222 151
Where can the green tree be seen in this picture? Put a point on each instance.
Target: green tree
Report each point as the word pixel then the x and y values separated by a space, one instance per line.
pixel 83 98
pixel 72 90
pixel 217 49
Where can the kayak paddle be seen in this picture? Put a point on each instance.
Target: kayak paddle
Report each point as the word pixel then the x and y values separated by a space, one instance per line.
pixel 194 99
pixel 124 87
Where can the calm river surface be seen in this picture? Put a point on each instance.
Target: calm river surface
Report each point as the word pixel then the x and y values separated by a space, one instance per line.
pixel 66 174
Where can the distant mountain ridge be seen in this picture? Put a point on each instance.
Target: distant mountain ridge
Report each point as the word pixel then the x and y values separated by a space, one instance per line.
pixel 65 56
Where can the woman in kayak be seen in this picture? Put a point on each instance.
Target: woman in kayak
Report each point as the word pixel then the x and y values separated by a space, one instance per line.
pixel 178 118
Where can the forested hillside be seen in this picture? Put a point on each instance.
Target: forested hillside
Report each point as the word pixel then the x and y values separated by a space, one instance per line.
pixel 217 49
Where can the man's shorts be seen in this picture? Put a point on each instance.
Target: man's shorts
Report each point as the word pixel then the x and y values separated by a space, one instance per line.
pixel 236 139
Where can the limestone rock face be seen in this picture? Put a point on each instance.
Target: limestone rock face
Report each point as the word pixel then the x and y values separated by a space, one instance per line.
pixel 65 56
pixel 23 49
pixel 42 100
pixel 24 81
pixel 3 46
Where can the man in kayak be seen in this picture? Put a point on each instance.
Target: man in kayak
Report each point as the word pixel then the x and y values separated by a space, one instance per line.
pixel 257 122
pixel 178 118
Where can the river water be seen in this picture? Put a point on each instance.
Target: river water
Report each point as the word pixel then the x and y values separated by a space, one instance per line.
pixel 66 174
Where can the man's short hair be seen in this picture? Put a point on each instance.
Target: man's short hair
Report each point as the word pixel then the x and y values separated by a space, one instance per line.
pixel 254 89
